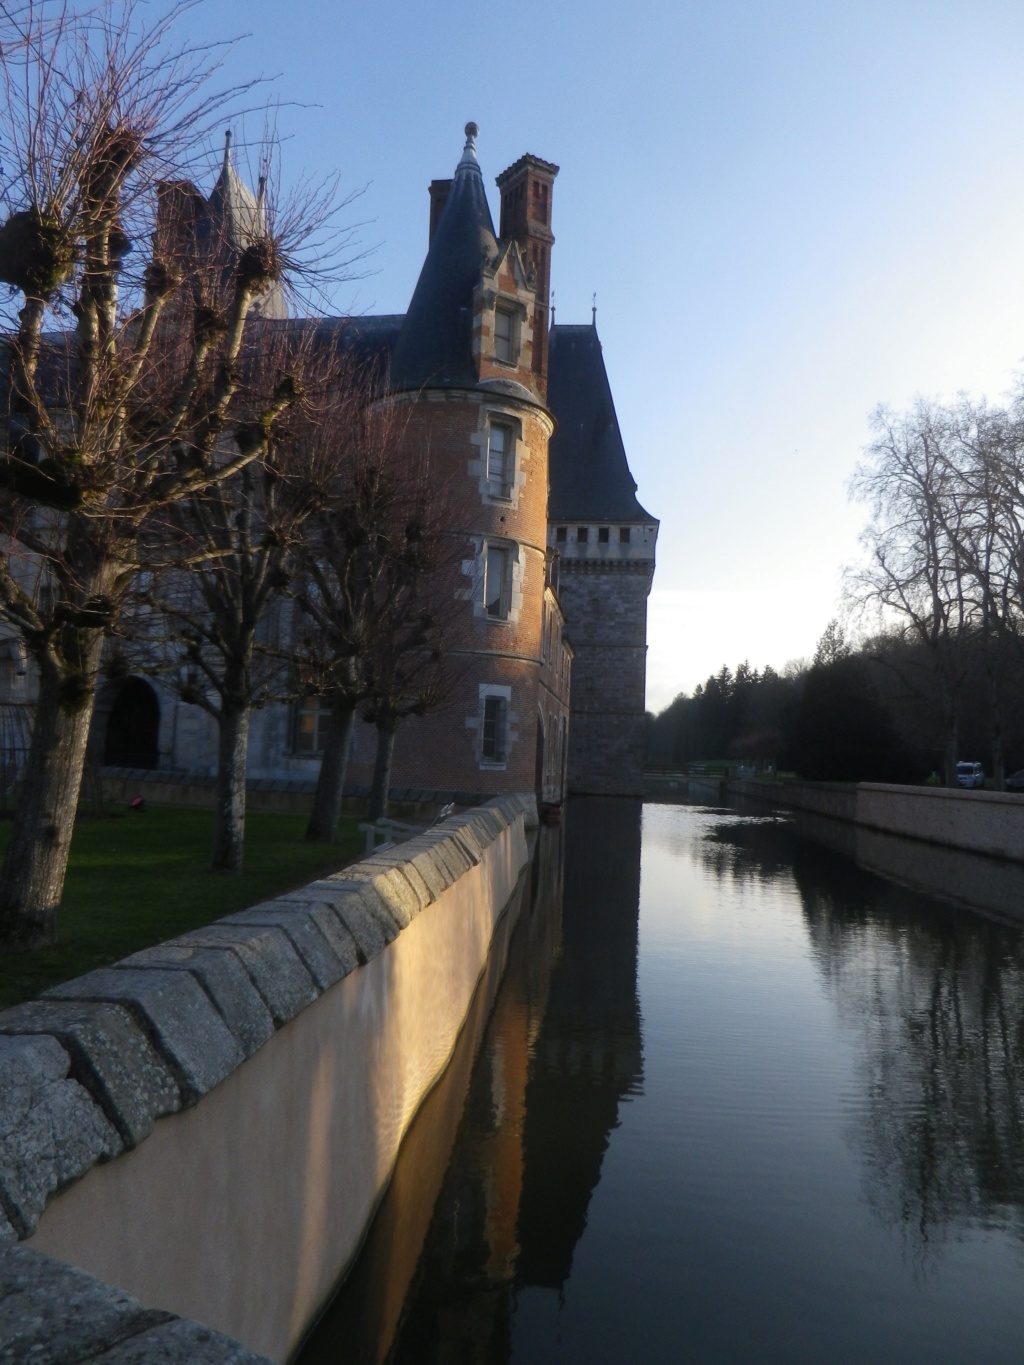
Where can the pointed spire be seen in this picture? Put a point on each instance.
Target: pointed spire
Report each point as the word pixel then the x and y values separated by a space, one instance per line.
pixel 435 346
pixel 469 161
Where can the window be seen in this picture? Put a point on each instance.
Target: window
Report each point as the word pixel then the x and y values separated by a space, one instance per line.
pixel 561 534
pixel 500 445
pixel 311 721
pixel 602 535
pixel 623 535
pixel 497 585
pixel 504 335
pixel 582 535
pixel 492 749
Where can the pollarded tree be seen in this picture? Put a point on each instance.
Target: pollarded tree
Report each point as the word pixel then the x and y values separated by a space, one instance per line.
pixel 216 631
pixel 120 380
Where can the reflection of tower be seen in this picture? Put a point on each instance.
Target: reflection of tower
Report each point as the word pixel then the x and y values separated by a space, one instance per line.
pixel 588 1055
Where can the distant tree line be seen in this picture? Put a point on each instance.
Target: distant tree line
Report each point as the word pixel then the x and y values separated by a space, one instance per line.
pixel 938 673
pixel 871 713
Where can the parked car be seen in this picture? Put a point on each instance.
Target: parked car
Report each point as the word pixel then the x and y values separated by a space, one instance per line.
pixel 970 775
pixel 1015 782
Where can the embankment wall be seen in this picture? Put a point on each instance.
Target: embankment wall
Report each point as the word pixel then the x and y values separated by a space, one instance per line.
pixel 208 1125
pixel 991 823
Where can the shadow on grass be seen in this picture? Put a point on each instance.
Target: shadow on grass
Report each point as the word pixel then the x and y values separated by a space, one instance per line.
pixel 137 878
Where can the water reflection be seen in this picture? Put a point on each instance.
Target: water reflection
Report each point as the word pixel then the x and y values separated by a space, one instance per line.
pixel 560 1053
pixel 934 1002
pixel 809 1148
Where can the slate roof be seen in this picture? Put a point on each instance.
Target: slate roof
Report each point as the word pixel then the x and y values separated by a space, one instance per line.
pixel 233 207
pixel 587 467
pixel 435 345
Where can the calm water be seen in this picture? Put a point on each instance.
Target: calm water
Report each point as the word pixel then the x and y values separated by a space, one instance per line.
pixel 740 1098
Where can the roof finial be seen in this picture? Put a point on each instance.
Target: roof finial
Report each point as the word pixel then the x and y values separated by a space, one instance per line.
pixel 593 310
pixel 469 161
pixel 227 147
pixel 552 308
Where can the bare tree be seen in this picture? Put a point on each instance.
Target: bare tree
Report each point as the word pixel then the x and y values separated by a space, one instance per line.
pixel 914 573
pixel 121 379
pixel 216 636
pixel 377 588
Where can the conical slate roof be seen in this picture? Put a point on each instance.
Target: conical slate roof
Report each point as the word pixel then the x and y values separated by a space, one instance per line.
pixel 587 467
pixel 435 345
pixel 238 219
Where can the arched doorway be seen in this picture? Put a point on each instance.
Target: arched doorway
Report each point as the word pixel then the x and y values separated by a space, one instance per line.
pixel 133 727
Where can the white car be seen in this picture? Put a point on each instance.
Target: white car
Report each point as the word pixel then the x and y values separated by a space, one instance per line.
pixel 970 775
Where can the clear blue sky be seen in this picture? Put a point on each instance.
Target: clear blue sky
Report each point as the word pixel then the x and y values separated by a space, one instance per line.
pixel 790 212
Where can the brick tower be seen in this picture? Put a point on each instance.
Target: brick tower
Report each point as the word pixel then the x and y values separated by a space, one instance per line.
pixel 605 542
pixel 470 367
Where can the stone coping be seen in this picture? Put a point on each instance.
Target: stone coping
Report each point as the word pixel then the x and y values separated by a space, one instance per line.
pixel 88 1068
pixel 944 793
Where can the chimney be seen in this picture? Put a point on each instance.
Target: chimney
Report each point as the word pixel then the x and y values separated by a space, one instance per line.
pixel 438 198
pixel 526 193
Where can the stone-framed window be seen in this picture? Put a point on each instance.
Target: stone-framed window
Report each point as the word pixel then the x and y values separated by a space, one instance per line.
pixel 602 535
pixel 493 725
pixel 501 446
pixel 623 535
pixel 499 456
pixel 309 733
pixel 582 535
pixel 506 334
pixel 561 535
pixel 494 730
pixel 497 581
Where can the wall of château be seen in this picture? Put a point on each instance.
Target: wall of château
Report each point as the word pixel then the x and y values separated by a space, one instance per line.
pixel 209 1124
pixel 606 613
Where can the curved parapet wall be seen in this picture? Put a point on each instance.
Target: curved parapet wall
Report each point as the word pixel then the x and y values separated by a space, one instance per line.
pixel 284 1051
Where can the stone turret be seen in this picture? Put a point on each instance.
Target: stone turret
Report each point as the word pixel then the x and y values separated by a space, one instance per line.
pixel 606 542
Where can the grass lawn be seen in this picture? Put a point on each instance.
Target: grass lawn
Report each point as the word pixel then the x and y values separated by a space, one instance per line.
pixel 137 878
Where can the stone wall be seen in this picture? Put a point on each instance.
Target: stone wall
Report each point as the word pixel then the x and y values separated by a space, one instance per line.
pixel 208 1124
pixel 605 606
pixel 991 823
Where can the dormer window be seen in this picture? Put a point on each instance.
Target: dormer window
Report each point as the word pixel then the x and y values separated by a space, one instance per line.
pixel 504 335
pixel 500 447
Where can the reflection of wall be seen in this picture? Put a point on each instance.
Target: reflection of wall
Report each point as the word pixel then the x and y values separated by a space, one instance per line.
pixel 990 884
pixel 561 1051
pixel 360 1323
pixel 935 999
pixel 458 1306
pixel 587 1056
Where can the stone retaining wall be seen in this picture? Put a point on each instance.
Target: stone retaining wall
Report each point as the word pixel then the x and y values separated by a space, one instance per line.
pixel 209 1124
pixel 991 823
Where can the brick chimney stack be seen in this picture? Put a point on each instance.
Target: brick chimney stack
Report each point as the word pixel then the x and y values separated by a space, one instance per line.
pixel 438 198
pixel 526 194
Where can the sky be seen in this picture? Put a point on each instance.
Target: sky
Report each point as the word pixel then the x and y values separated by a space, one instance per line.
pixel 790 212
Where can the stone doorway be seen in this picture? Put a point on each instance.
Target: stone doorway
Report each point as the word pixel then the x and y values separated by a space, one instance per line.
pixel 133 727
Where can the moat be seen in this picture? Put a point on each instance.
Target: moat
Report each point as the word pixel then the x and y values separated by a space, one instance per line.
pixel 736 1099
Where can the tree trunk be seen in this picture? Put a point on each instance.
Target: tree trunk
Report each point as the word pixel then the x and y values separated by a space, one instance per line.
pixel 382 769
pixel 229 815
pixel 330 783
pixel 32 879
